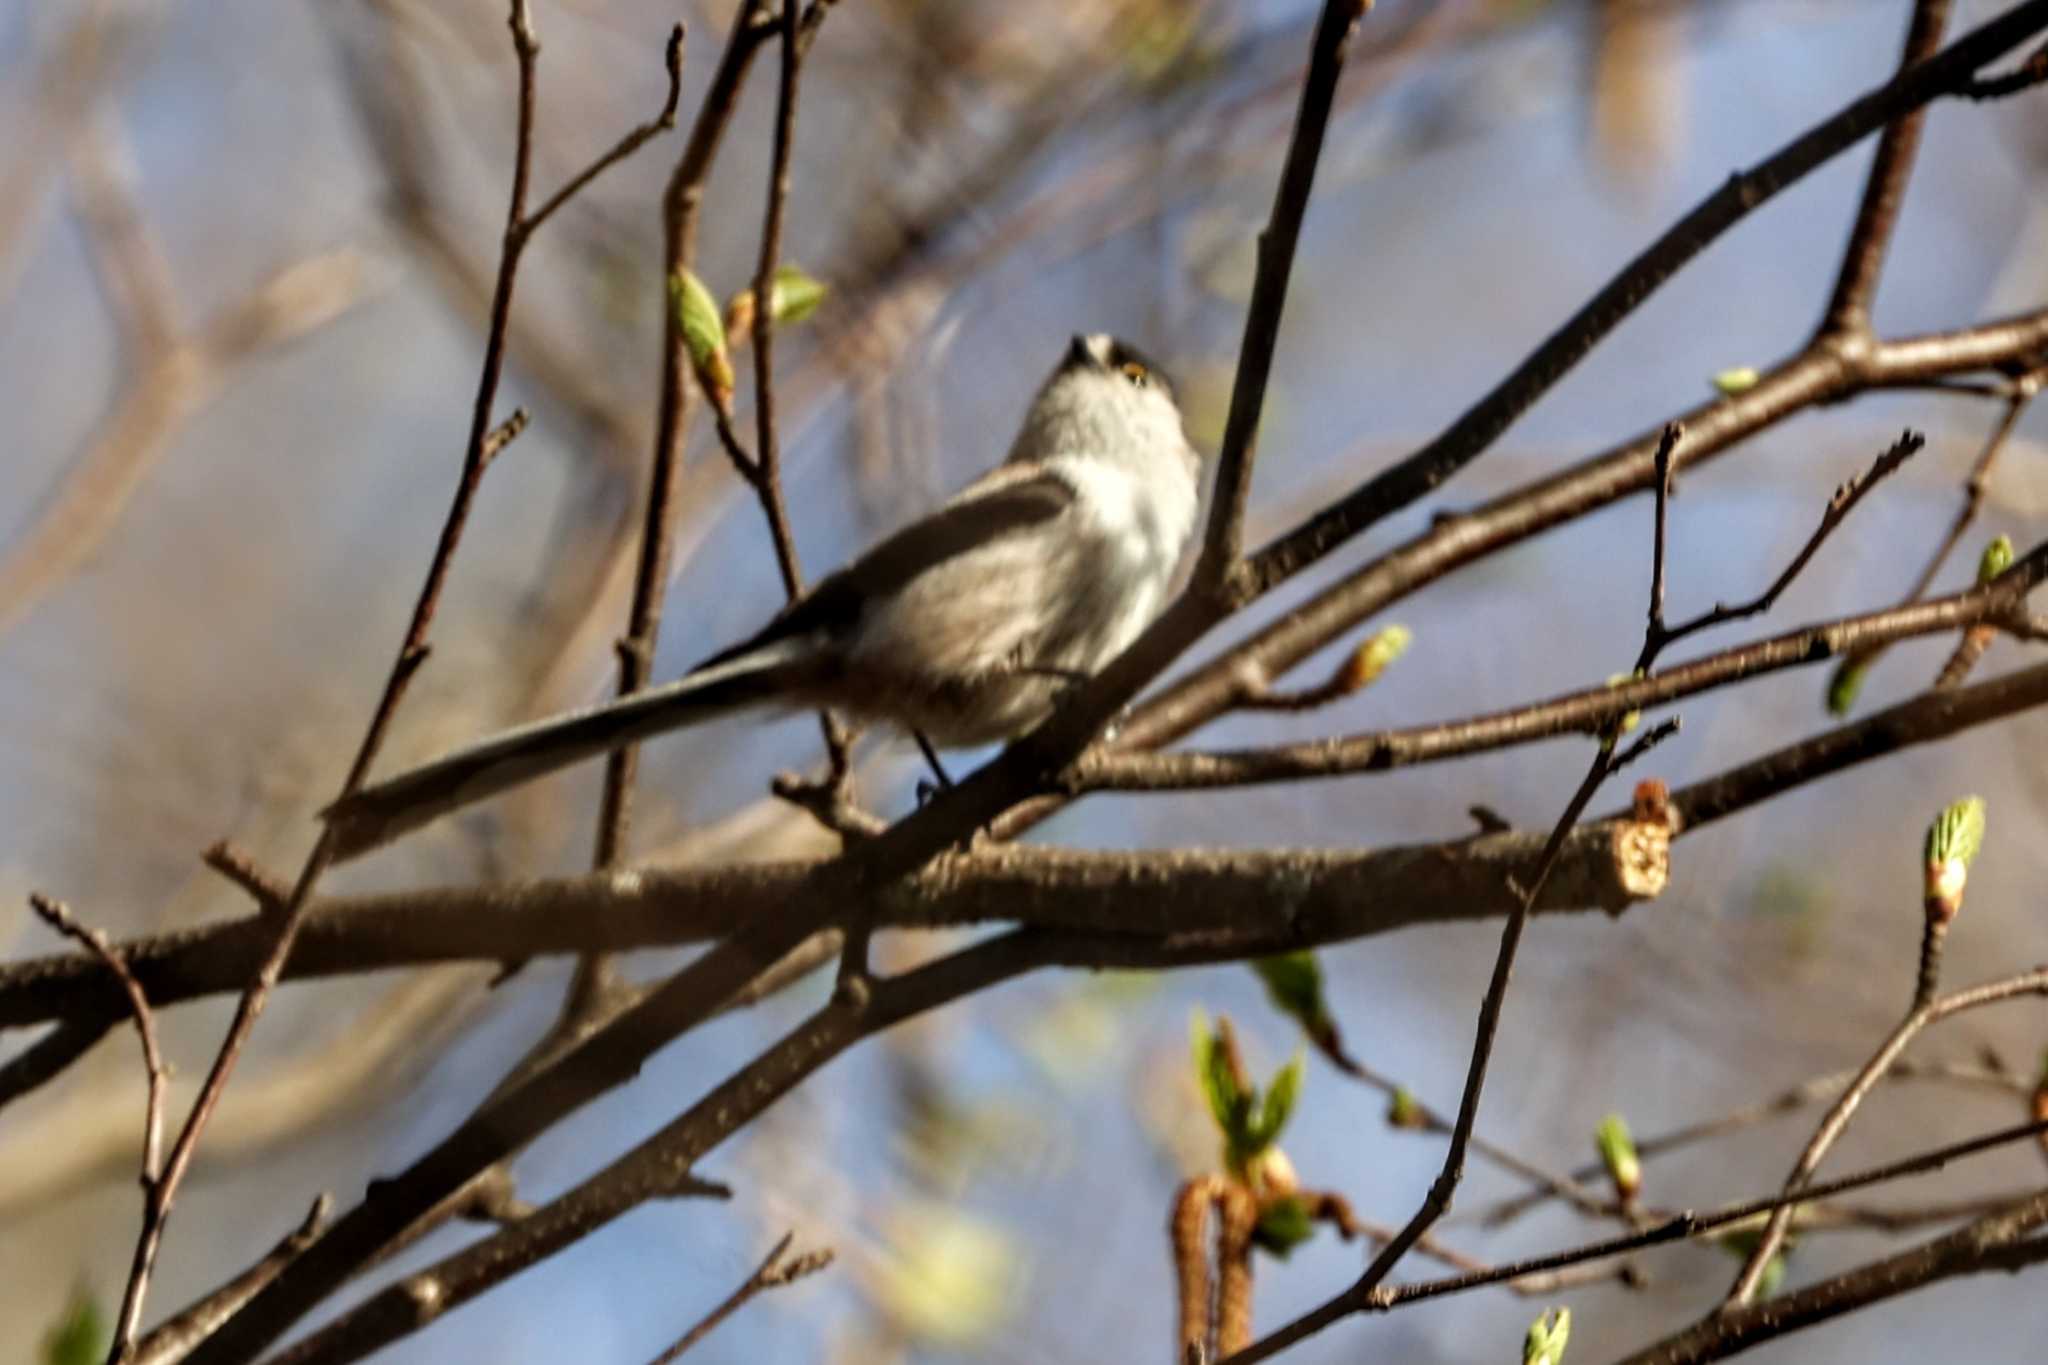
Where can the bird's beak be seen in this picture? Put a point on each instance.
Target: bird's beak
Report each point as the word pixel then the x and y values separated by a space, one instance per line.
pixel 1081 355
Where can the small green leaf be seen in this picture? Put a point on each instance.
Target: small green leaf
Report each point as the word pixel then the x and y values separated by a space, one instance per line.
pixel 1952 843
pixel 1618 1154
pixel 1370 659
pixel 1997 558
pixel 79 1337
pixel 703 333
pixel 1281 1094
pixel 1229 1106
pixel 1545 1343
pixel 794 294
pixel 1284 1225
pixel 1404 1110
pixel 1957 833
pixel 1633 718
pixel 1845 684
pixel 1295 982
pixel 1740 379
pixel 1773 1276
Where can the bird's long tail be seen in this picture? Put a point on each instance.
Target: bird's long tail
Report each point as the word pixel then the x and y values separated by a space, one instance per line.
pixel 384 810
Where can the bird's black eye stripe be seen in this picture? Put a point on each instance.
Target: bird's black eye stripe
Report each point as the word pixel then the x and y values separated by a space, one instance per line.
pixel 1136 366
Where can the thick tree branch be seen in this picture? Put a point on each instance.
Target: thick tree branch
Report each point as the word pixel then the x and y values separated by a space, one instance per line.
pixel 1195 894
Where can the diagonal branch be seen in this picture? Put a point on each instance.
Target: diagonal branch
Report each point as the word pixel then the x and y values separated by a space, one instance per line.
pixel 681 205
pixel 1847 319
pixel 1588 711
pixel 1223 543
pixel 1945 74
pixel 156 1204
pixel 2008 1241
pixel 1844 1108
pixel 773 1273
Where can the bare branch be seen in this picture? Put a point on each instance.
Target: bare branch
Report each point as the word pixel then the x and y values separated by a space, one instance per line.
pixel 1999 1242
pixel 1839 506
pixel 772 1273
pixel 632 142
pixel 1949 72
pixel 680 207
pixel 1590 711
pixel 155 1199
pixel 174 1338
pixel 1843 1109
pixel 1679 1227
pixel 411 653
pixel 1748 1116
pixel 1223 543
pixel 1847 319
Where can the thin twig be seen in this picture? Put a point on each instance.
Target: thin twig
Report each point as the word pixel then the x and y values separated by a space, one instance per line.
pixel 1222 546
pixel 1839 506
pixel 1425 1118
pixel 1438 1201
pixel 1679 1227
pixel 1748 1116
pixel 1667 445
pixel 1999 1242
pixel 504 434
pixel 672 56
pixel 1534 1285
pixel 2030 73
pixel 765 471
pixel 1592 710
pixel 412 652
pixel 1859 661
pixel 173 1339
pixel 1844 1108
pixel 772 1273
pixel 239 866
pixel 155 1198
pixel 680 208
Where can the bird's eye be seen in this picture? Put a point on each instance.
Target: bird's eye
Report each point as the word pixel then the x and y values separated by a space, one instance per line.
pixel 1136 373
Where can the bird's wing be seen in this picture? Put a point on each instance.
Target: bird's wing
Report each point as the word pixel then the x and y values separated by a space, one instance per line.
pixel 1007 500
pixel 753 672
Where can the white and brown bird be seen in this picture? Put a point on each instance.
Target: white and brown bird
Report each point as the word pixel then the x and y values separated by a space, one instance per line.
pixel 963 627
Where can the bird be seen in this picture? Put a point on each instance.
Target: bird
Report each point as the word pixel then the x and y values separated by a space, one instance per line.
pixel 963 628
